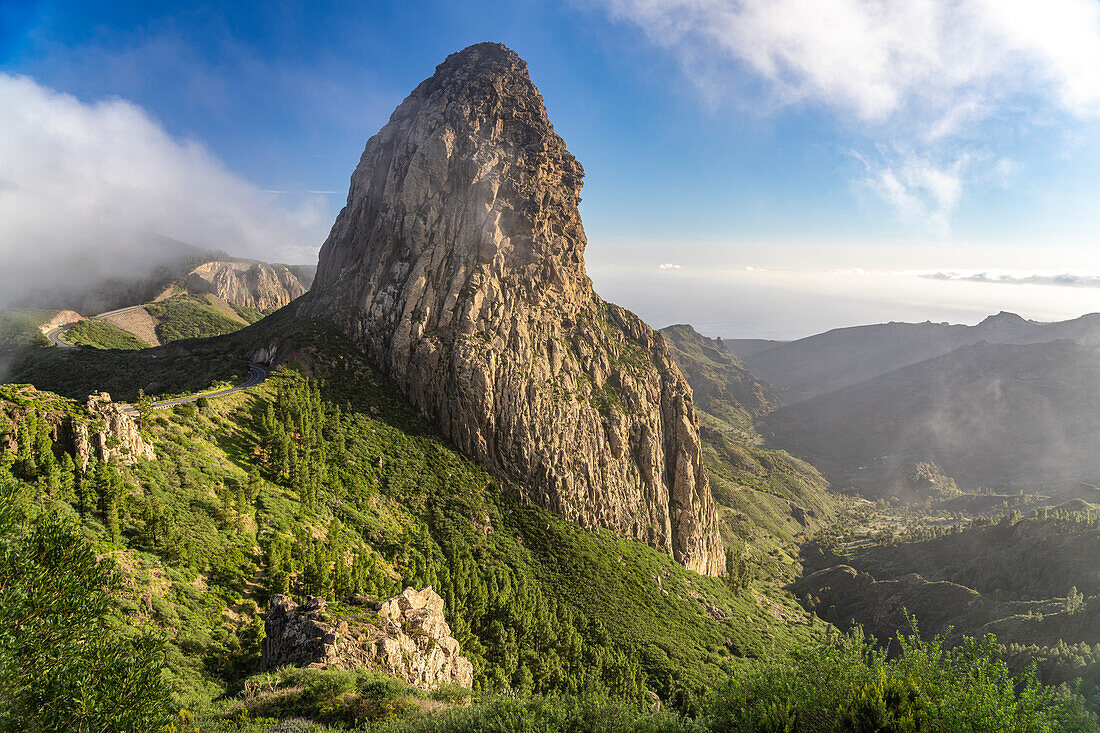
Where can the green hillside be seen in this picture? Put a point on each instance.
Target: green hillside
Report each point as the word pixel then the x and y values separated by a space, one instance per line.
pixel 100 334
pixel 331 484
pixel 237 496
pixel 189 316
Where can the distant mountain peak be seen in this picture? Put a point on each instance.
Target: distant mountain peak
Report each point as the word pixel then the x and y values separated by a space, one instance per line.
pixel 1004 317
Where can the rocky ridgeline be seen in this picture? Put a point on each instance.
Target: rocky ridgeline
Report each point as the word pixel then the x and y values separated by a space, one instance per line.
pixel 247 284
pixel 405 636
pixel 458 265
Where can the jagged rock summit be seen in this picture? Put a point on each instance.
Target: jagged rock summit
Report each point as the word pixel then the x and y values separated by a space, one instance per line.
pixel 250 284
pixel 458 265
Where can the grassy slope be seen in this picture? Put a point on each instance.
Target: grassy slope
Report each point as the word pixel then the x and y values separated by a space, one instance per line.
pixel 100 334
pixel 191 546
pixel 190 316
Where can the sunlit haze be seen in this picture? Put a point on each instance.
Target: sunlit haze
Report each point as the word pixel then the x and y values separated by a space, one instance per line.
pixel 756 168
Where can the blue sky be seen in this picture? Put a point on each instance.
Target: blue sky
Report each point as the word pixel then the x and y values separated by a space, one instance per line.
pixel 795 165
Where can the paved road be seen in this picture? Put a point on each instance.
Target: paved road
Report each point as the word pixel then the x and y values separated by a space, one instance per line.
pixel 55 335
pixel 127 309
pixel 256 375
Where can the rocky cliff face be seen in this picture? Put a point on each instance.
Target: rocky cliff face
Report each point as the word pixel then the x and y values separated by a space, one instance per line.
pixel 407 636
pixel 112 435
pixel 248 284
pixel 107 432
pixel 458 265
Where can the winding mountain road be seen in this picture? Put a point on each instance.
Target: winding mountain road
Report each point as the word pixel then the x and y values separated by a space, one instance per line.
pixel 54 335
pixel 256 373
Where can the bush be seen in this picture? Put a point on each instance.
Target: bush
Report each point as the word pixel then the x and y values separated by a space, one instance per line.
pixel 849 685
pixel 885 704
pixel 62 666
pixel 543 714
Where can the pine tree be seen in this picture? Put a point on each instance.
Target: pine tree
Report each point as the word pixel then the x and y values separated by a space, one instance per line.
pixel 342 583
pixel 68 477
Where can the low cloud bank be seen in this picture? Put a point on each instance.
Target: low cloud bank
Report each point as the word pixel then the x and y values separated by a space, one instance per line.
pixel 1070 280
pixel 92 190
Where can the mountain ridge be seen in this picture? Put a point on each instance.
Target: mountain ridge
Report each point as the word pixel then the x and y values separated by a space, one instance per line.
pixel 989 414
pixel 844 357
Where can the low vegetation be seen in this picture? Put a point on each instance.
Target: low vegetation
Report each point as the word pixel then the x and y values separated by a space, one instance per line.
pixel 100 334
pixel 332 484
pixel 190 316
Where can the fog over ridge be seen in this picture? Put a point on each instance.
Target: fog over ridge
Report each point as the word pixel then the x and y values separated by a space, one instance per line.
pixel 93 189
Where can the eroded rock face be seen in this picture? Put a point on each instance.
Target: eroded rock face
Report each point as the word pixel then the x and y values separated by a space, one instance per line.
pixel 405 636
pixel 107 433
pixel 458 265
pixel 112 435
pixel 248 284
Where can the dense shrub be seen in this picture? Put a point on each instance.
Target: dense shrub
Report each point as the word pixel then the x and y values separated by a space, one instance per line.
pixel 849 685
pixel 63 666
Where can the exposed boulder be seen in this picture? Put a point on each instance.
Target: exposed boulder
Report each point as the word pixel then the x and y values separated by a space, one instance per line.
pixel 458 265
pixel 405 636
pixel 112 434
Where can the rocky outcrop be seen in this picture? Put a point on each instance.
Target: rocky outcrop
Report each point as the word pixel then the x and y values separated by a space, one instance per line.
pixel 61 318
pixel 107 432
pixel 458 265
pixel 406 636
pixel 247 284
pixel 111 435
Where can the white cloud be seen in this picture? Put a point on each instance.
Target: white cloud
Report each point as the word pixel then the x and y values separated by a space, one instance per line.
pixel 876 57
pixel 668 266
pixel 921 75
pixel 919 188
pixel 1015 277
pixel 76 178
